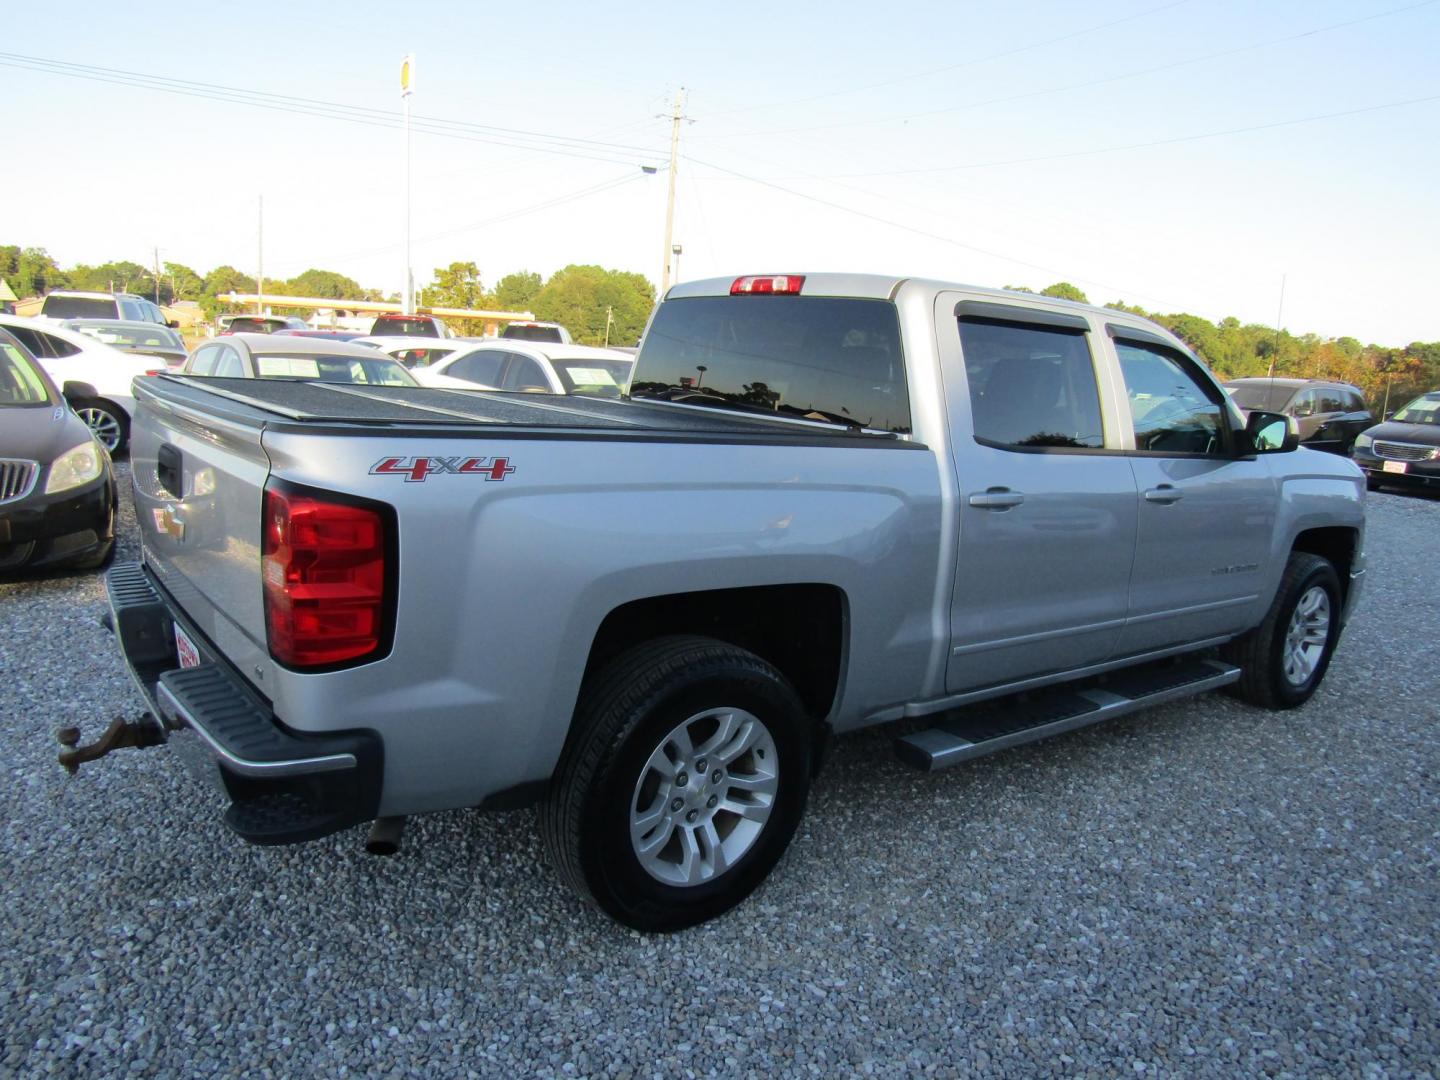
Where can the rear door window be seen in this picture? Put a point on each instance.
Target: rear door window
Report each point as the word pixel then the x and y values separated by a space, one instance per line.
pixel 524 374
pixel 1031 386
pixel 203 362
pixel 478 367
pixel 227 363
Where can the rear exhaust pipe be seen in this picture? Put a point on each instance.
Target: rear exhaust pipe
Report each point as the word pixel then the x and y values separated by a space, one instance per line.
pixel 385 833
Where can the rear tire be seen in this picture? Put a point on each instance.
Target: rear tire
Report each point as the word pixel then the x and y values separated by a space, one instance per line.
pixel 1284 659
pixel 682 782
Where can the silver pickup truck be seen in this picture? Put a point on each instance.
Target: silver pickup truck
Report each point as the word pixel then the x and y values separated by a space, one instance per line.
pixel 826 502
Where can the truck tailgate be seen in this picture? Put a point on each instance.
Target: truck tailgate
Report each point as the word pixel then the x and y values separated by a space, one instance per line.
pixel 199 479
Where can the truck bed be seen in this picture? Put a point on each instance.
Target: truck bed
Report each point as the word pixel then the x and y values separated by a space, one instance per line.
pixel 280 404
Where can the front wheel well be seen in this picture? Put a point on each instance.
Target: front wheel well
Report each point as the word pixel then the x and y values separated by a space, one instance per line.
pixel 1336 545
pixel 800 629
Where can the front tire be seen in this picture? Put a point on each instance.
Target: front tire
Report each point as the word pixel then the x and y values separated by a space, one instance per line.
pixel 1284 658
pixel 683 780
pixel 107 421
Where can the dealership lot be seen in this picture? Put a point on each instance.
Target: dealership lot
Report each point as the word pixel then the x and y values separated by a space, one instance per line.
pixel 1202 888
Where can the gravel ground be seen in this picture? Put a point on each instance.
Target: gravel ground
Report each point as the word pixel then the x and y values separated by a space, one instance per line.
pixel 1202 889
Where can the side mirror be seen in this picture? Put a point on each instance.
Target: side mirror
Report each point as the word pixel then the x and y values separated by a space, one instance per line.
pixel 173 324
pixel 1271 433
pixel 73 392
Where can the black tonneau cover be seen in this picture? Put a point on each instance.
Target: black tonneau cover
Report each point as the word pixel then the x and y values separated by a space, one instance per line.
pixel 276 401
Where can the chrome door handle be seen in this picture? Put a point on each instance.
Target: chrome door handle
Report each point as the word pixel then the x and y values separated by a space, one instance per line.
pixel 1164 494
pixel 997 499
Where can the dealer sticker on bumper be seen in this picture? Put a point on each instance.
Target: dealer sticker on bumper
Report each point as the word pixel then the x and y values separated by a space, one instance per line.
pixel 185 649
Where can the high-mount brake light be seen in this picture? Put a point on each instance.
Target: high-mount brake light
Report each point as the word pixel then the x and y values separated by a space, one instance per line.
pixel 324 572
pixel 768 285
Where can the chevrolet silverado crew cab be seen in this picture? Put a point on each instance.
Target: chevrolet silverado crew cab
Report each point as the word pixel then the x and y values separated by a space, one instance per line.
pixel 825 502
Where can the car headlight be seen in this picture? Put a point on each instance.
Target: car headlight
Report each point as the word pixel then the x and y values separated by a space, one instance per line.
pixel 1362 442
pixel 75 467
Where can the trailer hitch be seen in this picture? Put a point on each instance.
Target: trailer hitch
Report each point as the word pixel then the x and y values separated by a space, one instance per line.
pixel 147 732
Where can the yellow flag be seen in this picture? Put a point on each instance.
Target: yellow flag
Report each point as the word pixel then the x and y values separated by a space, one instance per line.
pixel 407 75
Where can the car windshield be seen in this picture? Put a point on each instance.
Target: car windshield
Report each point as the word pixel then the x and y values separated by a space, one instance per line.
pixel 524 332
pixel 336 369
pixel 78 307
pixel 817 358
pixel 144 337
pixel 1423 410
pixel 1261 396
pixel 605 378
pixel 20 383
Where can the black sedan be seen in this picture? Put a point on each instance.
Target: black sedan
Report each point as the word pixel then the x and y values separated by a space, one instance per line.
pixel 1404 451
pixel 57 487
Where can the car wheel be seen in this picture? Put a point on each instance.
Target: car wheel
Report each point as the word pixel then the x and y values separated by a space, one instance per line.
pixel 1284 658
pixel 681 785
pixel 107 420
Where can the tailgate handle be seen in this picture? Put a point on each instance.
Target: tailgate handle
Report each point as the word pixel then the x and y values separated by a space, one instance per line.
pixel 168 471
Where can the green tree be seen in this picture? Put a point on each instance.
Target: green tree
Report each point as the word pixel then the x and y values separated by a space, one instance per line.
pixel 457 286
pixel 517 292
pixel 226 279
pixel 34 272
pixel 578 297
pixel 1063 290
pixel 181 283
pixel 325 283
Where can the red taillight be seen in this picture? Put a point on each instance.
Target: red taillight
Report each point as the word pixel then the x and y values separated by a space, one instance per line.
pixel 773 285
pixel 324 577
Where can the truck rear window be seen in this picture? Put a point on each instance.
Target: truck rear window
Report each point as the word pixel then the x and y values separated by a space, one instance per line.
pixel 816 357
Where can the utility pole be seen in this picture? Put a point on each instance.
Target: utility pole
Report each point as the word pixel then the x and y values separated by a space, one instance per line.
pixel 675 119
pixel 157 277
pixel 609 318
pixel 260 261
pixel 407 87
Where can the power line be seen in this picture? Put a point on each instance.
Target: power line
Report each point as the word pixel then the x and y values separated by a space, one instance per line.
pixel 534 141
pixel 788 101
pixel 898 117
pixel 926 233
pixel 1146 145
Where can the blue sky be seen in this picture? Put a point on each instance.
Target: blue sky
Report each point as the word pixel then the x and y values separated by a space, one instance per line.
pixel 1146 150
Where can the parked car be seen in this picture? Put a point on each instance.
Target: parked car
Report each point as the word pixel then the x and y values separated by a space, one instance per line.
pixel 57 486
pixel 551 332
pixel 414 352
pixel 68 304
pixel 532 367
pixel 390 324
pixel 1328 414
pixel 269 356
pixel 1405 449
pixel 260 324
pixel 138 338
pixel 101 375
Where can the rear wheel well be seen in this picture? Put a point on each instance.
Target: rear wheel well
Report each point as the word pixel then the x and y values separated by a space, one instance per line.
pixel 1336 545
pixel 797 628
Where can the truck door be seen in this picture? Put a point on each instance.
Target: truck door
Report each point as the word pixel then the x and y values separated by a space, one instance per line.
pixel 1046 500
pixel 1206 513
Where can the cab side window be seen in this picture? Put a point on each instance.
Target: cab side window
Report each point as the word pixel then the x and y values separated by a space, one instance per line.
pixel 1303 405
pixel 1031 386
pixel 1172 410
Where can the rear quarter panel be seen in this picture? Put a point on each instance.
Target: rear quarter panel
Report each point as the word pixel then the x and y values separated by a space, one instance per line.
pixel 503 584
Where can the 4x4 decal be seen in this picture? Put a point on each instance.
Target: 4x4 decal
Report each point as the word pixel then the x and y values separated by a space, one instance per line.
pixel 416 469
